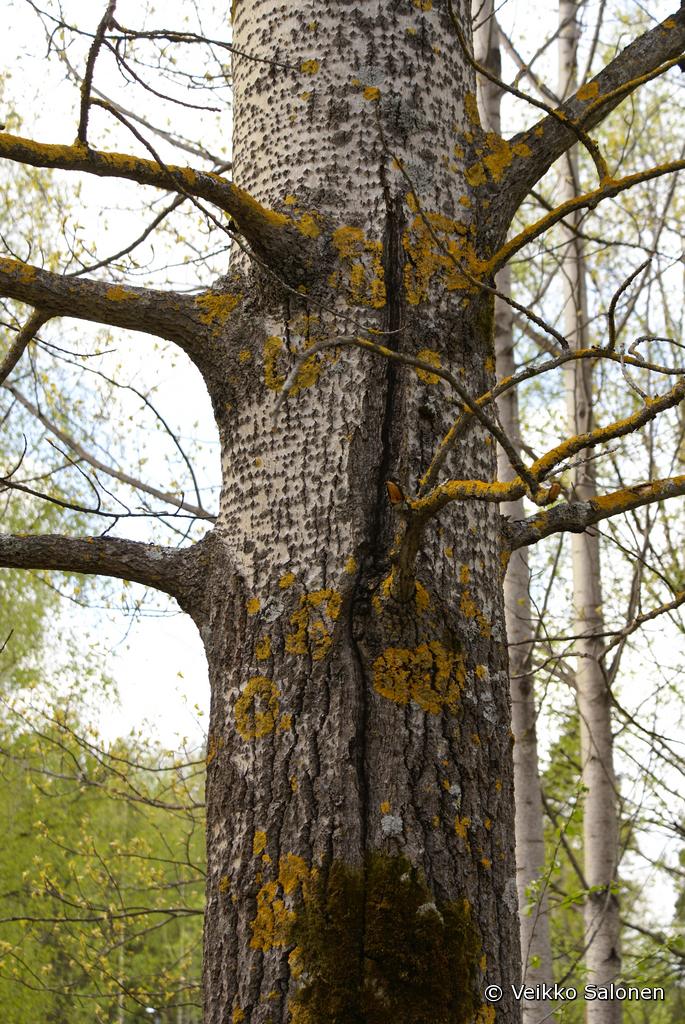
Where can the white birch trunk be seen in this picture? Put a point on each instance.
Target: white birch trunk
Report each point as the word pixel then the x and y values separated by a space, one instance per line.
pixel 536 952
pixel 600 830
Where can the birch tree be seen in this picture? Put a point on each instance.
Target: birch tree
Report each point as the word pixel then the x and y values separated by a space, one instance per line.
pixel 600 828
pixel 536 951
pixel 349 595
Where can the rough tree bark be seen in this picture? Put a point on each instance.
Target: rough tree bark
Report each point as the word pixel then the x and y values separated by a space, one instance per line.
pixel 600 824
pixel 536 950
pixel 359 772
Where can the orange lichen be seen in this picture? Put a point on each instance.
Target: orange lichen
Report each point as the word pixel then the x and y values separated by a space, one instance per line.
pixel 430 674
pixel 385 807
pixel 372 92
pixel 486 862
pixel 313 624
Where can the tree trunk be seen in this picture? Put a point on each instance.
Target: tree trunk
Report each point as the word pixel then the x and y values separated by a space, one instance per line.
pixel 359 789
pixel 536 951
pixel 600 830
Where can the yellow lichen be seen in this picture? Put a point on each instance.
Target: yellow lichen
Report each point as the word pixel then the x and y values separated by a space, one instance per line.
pixel 313 623
pixel 238 1015
pixel 464 574
pixel 270 926
pixel 256 709
pixel 263 648
pixel 385 807
pixel 216 308
pixel 214 747
pixel 360 267
pixel 286 580
pixel 427 355
pixel 253 605
pixel 423 5
pixel 273 920
pixel 351 565
pixel 309 67
pixel 372 92
pixel 461 827
pixel 259 842
pixel 588 91
pixel 481 671
pixel 307 225
pixel 430 674
pixel 468 606
pixel 422 598
pixel 471 108
pixel 486 1015
pixel 272 348
pixel 118 294
pixel 285 723
pixel 224 884
pixel 436 247
pixel 244 355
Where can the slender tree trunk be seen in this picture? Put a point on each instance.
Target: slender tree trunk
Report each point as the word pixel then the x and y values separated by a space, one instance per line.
pixel 536 952
pixel 600 831
pixel 359 789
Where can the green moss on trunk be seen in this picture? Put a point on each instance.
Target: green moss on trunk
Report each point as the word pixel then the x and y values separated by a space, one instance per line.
pixel 373 946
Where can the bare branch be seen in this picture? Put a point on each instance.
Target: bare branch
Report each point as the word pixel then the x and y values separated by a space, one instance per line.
pixel 577 516
pixel 645 58
pixel 166 314
pixel 164 569
pixel 274 237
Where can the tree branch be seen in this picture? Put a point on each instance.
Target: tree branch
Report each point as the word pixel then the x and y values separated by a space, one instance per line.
pixel 645 58
pixel 166 314
pixel 165 569
pixel 274 237
pixel 577 516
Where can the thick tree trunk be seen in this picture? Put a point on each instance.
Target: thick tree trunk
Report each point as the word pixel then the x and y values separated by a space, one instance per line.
pixel 600 830
pixel 359 790
pixel 536 951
